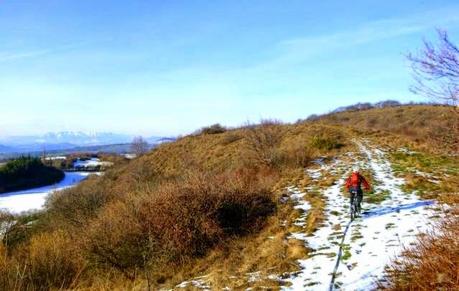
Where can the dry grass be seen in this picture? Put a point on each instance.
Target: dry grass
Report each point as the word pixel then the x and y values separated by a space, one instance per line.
pixel 49 261
pixel 205 204
pixel 205 200
pixel 432 176
pixel 432 264
pixel 432 127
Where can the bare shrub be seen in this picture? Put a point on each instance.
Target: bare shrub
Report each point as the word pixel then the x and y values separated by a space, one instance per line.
pixel 139 146
pixel 179 220
pixel 76 206
pixel 16 229
pixel 326 139
pixel 117 240
pixel 213 129
pixel 54 263
pixel 263 142
pixel 49 262
pixel 432 264
pixel 297 152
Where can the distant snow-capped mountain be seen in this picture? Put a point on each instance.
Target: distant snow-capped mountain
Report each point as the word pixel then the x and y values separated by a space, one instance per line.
pixel 82 138
pixel 67 140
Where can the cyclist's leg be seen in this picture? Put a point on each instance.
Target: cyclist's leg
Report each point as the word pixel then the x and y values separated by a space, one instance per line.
pixel 359 199
pixel 352 195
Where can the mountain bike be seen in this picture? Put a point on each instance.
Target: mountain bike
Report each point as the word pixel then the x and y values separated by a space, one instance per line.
pixel 355 204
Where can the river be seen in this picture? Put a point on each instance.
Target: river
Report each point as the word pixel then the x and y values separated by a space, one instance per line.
pixel 31 199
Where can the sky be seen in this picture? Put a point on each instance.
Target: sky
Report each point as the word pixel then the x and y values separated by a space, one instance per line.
pixel 170 67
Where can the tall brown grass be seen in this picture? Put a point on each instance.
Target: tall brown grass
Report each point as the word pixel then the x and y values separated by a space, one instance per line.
pixel 48 261
pixel 178 221
pixel 158 214
pixel 144 233
pixel 436 127
pixel 431 264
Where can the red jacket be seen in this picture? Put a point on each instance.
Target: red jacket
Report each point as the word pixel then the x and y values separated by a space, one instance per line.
pixel 356 180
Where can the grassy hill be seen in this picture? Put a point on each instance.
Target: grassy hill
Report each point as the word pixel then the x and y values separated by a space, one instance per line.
pixel 206 202
pixel 432 127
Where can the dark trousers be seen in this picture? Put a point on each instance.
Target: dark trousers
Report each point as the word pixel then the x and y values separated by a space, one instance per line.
pixel 356 193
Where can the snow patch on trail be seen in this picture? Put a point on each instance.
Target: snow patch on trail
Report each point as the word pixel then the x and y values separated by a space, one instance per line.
pixel 372 241
pixel 324 244
pixel 197 283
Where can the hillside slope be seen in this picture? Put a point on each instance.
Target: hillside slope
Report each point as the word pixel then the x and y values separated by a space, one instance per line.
pixel 213 207
pixel 155 216
pixel 434 127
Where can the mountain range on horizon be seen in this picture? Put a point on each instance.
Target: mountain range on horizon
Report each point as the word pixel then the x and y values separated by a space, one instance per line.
pixel 64 140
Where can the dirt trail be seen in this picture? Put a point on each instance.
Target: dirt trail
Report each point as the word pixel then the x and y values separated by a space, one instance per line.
pixel 372 240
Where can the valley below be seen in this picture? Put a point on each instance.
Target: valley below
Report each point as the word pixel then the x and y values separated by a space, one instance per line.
pixel 34 199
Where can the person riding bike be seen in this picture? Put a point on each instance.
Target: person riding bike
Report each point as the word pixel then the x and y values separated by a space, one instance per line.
pixel 354 186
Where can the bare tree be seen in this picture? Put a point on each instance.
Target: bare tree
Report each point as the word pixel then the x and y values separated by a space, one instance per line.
pixel 436 70
pixel 139 146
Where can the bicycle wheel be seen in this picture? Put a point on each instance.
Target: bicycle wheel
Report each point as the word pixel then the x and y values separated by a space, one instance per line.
pixel 356 208
pixel 352 209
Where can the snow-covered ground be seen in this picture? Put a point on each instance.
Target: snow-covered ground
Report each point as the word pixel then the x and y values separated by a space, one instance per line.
pixel 370 242
pixel 92 162
pixel 367 244
pixel 17 202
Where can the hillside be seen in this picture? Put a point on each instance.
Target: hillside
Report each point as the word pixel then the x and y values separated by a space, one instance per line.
pixel 433 127
pixel 236 209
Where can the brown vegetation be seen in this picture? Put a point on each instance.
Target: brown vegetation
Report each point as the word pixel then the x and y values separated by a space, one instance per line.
pixel 432 127
pixel 205 203
pixel 155 216
pixel 431 264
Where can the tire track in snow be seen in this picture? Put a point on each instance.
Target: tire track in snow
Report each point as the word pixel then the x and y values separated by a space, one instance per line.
pixel 374 239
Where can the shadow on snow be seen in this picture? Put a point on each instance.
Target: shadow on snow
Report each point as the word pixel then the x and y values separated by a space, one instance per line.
pixel 391 209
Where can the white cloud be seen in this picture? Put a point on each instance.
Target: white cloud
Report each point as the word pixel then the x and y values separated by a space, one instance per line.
pixel 6 56
pixel 298 49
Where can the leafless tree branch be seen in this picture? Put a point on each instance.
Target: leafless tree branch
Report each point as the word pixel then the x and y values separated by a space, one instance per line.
pixel 436 70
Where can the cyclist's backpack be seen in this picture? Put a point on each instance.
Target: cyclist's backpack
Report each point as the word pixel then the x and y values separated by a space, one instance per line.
pixel 355 179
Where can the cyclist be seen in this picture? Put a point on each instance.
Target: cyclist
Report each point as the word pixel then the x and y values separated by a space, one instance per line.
pixel 354 186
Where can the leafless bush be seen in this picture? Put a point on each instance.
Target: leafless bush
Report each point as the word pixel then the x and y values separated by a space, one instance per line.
pixel 263 142
pixel 432 264
pixel 179 220
pixel 139 146
pixel 297 152
pixel 49 262
pixel 213 129
pixel 76 206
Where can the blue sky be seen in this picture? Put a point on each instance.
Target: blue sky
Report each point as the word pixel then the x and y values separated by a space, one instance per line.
pixel 169 67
